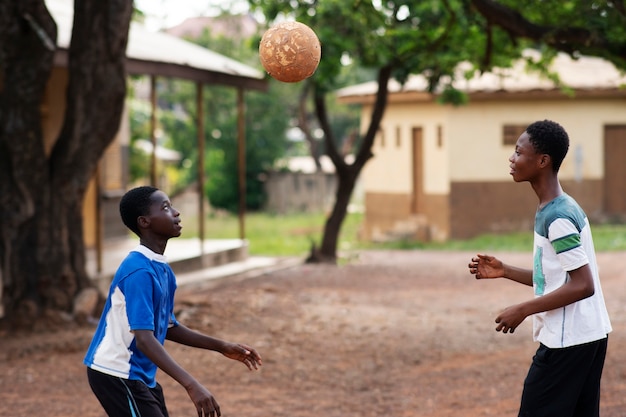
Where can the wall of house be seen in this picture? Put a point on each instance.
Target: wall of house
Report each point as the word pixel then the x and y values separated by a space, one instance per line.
pixel 476 135
pixel 393 209
pixel 506 206
pixel 481 186
pixel 53 107
pixel 467 189
pixel 296 192
pixel 112 168
pixel 393 149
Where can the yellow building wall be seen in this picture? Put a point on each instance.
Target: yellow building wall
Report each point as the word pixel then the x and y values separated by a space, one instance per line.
pixel 53 107
pixel 390 170
pixel 111 167
pixel 464 150
pixel 476 136
pixel 393 208
pixel 472 147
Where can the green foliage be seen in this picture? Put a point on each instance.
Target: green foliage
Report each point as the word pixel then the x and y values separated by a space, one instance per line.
pixel 596 28
pixel 266 125
pixel 431 37
pixel 175 129
pixel 412 37
pixel 268 116
pixel 139 162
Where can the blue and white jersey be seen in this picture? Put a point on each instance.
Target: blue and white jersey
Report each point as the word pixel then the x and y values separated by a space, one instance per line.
pixel 563 243
pixel 141 297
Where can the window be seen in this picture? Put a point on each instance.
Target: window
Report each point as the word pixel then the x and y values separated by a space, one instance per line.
pixel 439 136
pixel 398 137
pixel 510 133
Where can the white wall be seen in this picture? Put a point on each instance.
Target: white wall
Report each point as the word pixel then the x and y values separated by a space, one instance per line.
pixel 475 133
pixel 390 170
pixel 472 140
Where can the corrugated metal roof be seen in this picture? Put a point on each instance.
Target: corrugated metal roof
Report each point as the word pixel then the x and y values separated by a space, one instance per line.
pixel 585 73
pixel 159 48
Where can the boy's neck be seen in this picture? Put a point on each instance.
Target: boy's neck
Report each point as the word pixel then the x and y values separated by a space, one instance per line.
pixel 548 190
pixel 154 245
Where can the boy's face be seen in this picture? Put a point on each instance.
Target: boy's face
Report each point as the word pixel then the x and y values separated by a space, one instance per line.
pixel 163 219
pixel 525 161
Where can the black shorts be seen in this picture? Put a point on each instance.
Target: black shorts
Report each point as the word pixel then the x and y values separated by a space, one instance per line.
pixel 564 382
pixel 126 398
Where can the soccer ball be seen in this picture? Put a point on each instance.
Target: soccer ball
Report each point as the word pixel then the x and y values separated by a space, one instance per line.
pixel 290 51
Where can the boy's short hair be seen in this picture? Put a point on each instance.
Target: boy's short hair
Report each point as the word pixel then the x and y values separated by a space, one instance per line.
pixel 548 137
pixel 136 202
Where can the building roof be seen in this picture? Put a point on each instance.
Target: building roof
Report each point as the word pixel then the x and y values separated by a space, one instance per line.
pixel 240 27
pixel 158 53
pixel 586 74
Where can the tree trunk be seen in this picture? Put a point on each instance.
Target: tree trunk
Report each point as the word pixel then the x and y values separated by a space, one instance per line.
pixel 303 124
pixel 42 263
pixel 347 174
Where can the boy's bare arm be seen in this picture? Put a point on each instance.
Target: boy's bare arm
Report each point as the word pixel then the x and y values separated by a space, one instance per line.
pixel 204 401
pixel 579 286
pixel 236 351
pixel 488 267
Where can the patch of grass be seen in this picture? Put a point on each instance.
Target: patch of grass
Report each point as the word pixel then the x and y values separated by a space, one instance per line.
pixel 606 237
pixel 293 235
pixel 276 235
pixel 482 243
pixel 609 237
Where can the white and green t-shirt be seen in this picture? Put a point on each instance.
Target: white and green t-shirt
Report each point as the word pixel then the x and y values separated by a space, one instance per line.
pixel 563 243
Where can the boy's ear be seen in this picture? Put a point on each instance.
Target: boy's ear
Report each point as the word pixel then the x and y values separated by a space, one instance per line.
pixel 143 222
pixel 545 160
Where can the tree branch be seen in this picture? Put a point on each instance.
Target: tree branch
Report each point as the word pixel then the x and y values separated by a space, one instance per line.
pixel 303 123
pixel 565 39
pixel 329 137
pixel 380 104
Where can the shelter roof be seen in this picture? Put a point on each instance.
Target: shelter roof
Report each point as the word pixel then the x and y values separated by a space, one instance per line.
pixel 585 74
pixel 158 53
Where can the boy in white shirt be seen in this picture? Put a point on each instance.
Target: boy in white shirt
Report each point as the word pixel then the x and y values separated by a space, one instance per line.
pixel 570 320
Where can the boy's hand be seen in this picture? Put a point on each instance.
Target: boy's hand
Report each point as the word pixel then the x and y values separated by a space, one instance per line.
pixel 485 266
pixel 205 403
pixel 243 353
pixel 510 318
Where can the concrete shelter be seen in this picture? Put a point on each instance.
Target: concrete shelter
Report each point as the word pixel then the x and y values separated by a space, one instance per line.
pixel 155 54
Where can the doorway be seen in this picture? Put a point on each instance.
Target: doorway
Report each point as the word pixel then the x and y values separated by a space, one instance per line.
pixel 615 170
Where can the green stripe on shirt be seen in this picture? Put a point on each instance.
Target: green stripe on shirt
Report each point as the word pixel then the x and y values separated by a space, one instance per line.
pixel 566 243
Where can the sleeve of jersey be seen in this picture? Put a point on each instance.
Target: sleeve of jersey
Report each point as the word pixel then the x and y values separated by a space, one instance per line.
pixel 137 289
pixel 565 239
pixel 173 322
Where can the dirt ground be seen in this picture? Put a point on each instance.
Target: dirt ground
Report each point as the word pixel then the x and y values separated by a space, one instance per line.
pixel 393 333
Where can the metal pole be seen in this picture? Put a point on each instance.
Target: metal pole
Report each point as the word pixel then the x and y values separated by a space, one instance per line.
pixel 200 128
pixel 241 142
pixel 153 160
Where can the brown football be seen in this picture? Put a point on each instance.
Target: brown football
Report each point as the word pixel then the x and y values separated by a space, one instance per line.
pixel 290 51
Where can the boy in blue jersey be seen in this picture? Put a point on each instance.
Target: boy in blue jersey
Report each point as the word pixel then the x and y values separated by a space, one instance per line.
pixel 127 347
pixel 570 320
